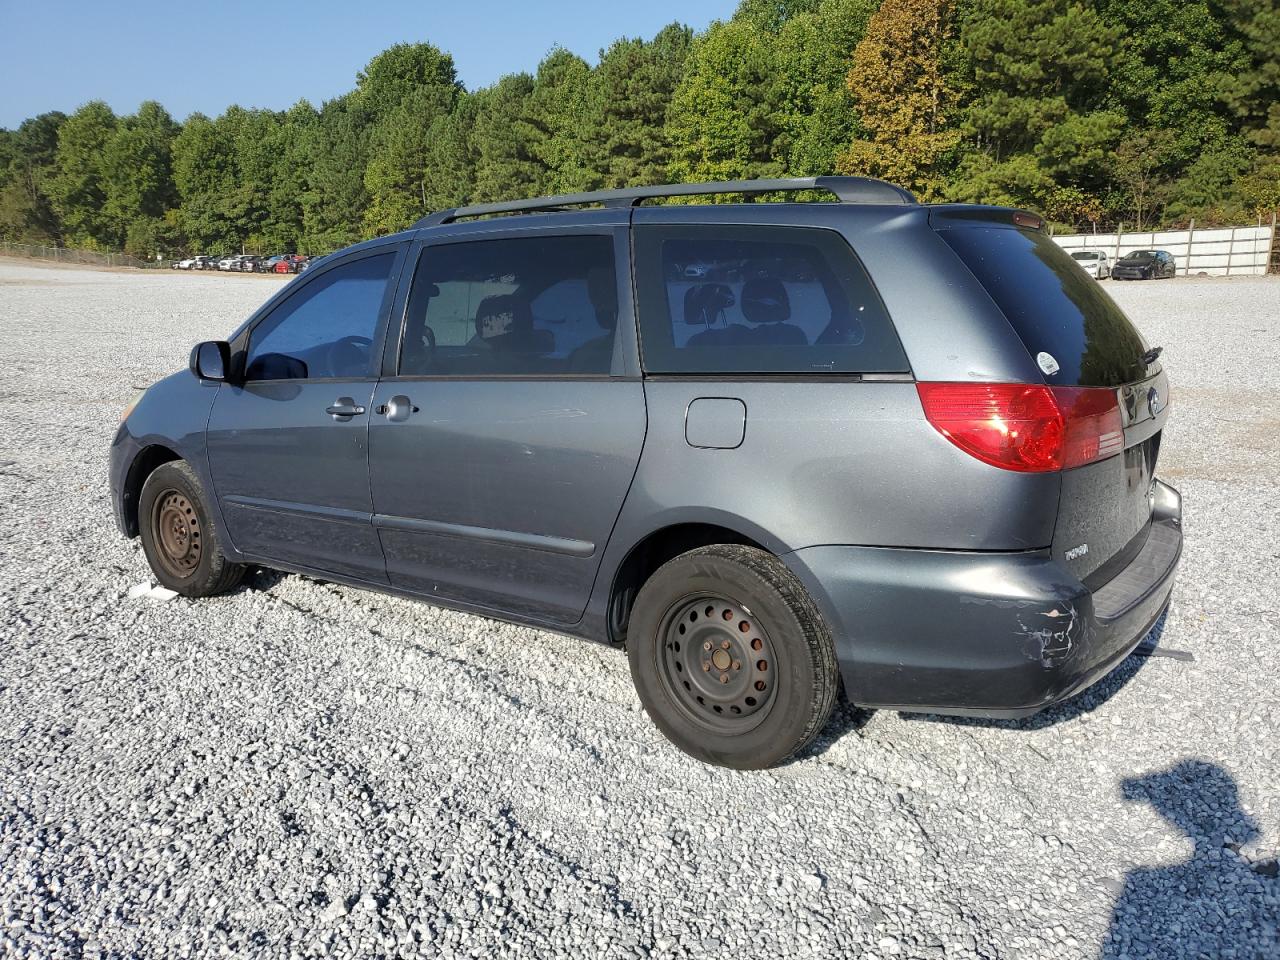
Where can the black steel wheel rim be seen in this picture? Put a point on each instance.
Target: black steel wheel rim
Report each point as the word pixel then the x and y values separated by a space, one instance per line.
pixel 176 526
pixel 717 662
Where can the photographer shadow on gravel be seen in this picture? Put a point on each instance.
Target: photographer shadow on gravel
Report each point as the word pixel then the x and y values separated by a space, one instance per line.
pixel 1217 903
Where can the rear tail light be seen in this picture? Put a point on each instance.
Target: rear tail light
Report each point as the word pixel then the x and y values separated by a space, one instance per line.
pixel 1026 427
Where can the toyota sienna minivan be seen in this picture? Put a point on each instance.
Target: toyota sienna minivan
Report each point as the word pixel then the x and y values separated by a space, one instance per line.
pixel 768 448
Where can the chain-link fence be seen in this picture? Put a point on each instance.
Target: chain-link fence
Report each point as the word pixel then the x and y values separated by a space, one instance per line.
pixel 67 255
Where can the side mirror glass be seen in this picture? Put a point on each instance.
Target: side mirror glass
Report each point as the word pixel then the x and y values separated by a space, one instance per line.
pixel 211 360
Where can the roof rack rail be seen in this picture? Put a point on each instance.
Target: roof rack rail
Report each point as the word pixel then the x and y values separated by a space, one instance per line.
pixel 846 189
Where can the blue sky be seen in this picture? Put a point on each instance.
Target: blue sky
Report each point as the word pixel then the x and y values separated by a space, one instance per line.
pixel 56 55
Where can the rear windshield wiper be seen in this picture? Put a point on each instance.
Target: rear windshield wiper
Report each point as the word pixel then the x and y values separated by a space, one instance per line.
pixel 1151 355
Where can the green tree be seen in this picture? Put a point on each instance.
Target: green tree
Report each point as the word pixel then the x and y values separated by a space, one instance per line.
pixel 507 166
pixel 1175 58
pixel 624 127
pixel 723 124
pixel 78 188
pixel 335 199
pixel 903 97
pixel 138 178
pixel 556 113
pixel 400 71
pixel 1253 93
pixel 771 15
pixel 1037 117
pixel 451 156
pixel 27 161
pixel 818 119
pixel 283 228
pixel 399 167
pixel 204 172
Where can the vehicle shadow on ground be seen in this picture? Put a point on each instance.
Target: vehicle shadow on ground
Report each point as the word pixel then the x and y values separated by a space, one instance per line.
pixel 261 579
pixel 1217 903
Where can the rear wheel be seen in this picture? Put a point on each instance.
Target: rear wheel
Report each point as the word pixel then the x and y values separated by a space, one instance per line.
pixel 178 535
pixel 731 657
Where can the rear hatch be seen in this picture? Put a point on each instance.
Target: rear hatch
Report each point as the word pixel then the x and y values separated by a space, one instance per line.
pixel 1079 337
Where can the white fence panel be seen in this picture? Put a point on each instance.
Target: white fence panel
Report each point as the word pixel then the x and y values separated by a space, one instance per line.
pixel 1221 251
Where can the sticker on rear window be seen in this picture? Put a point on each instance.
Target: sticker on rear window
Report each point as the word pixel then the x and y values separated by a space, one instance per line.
pixel 1047 363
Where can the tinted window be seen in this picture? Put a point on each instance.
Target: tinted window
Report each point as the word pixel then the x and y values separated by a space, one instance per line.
pixel 716 299
pixel 1055 307
pixel 523 306
pixel 326 329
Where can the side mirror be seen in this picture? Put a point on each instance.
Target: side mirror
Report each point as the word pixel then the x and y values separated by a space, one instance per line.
pixel 211 360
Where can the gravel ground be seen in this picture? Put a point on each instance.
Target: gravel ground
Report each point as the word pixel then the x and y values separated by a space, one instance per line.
pixel 303 769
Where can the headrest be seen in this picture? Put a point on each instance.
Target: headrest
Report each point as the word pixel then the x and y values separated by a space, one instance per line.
pixel 765 300
pixel 522 316
pixel 705 302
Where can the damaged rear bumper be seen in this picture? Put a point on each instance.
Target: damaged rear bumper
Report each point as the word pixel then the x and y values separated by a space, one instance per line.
pixel 985 634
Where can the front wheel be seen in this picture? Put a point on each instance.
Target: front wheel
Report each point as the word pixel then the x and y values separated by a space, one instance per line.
pixel 731 658
pixel 178 535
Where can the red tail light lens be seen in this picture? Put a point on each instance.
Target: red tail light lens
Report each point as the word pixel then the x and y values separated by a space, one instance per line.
pixel 1026 427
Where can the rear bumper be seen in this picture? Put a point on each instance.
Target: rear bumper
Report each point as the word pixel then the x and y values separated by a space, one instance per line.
pixel 985 634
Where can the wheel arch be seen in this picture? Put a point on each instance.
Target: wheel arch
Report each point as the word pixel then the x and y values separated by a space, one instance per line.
pixel 653 550
pixel 144 464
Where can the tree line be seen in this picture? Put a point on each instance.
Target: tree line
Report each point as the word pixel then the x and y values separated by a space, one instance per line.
pixel 1149 112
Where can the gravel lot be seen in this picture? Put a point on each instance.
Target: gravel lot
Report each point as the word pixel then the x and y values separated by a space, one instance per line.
pixel 302 769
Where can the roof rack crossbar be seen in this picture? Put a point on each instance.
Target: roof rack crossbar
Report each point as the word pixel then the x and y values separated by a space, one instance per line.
pixel 846 190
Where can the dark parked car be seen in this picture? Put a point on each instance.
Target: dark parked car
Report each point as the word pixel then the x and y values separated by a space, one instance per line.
pixel 908 448
pixel 1144 265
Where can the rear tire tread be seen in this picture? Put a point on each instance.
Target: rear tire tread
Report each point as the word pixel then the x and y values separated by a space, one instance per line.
pixel 816 637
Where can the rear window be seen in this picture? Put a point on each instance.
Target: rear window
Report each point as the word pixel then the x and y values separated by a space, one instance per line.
pixel 717 299
pixel 1055 307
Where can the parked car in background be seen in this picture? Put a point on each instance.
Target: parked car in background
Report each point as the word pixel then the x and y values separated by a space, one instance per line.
pixel 249 263
pixel 396 419
pixel 268 264
pixel 1094 262
pixel 231 262
pixel 207 263
pixel 191 263
pixel 1144 265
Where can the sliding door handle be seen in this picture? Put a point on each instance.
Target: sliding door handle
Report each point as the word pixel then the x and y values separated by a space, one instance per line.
pixel 397 409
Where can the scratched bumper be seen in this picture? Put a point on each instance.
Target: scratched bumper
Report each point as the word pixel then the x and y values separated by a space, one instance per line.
pixel 986 634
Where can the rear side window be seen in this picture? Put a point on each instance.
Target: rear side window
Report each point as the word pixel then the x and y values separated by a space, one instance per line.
pixel 1055 307
pixel 523 306
pixel 719 299
pixel 326 329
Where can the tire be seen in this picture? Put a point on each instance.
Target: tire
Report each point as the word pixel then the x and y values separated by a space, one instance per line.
pixel 731 658
pixel 178 535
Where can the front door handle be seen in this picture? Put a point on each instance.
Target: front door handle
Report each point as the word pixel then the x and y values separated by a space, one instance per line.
pixel 343 409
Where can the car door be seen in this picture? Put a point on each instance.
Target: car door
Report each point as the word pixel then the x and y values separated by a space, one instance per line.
pixel 288 442
pixel 510 419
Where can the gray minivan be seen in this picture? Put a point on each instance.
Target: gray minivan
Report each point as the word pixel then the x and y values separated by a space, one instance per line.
pixel 767 448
